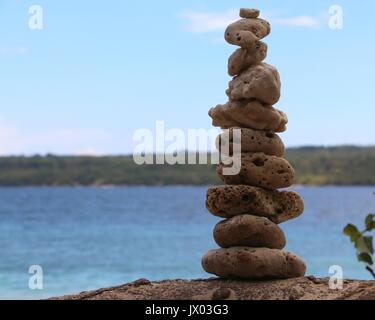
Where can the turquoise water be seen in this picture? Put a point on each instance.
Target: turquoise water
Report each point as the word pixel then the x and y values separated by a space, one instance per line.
pixel 86 238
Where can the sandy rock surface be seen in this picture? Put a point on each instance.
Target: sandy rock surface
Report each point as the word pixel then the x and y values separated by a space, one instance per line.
pixel 304 288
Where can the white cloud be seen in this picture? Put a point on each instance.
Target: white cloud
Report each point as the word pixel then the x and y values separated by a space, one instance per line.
pixel 300 21
pixel 13 51
pixel 204 22
pixel 201 22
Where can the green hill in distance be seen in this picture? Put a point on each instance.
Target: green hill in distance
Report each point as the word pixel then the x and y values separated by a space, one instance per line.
pixel 343 165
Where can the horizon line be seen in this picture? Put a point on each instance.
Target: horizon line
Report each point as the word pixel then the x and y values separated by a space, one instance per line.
pixel 52 154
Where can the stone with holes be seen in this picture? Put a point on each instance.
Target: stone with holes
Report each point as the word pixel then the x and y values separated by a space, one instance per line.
pixel 249 13
pixel 253 263
pixel 241 59
pixel 249 231
pixel 260 82
pixel 277 206
pixel 247 32
pixel 251 141
pixel 248 114
pixel 260 170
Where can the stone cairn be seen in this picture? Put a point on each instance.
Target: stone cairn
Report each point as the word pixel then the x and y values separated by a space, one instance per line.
pixel 250 239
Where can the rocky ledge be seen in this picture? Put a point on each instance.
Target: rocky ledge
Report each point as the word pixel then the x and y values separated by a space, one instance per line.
pixel 304 288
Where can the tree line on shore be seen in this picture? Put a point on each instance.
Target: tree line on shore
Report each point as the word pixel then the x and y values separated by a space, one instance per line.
pixel 345 165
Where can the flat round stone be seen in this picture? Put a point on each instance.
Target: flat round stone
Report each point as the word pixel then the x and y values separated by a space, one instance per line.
pixel 251 141
pixel 259 170
pixel 248 114
pixel 253 263
pixel 249 231
pixel 232 200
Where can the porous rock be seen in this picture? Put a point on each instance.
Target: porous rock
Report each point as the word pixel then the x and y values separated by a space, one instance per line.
pixel 260 82
pixel 249 13
pixel 241 59
pixel 246 32
pixel 278 206
pixel 248 114
pixel 249 231
pixel 260 170
pixel 251 141
pixel 253 263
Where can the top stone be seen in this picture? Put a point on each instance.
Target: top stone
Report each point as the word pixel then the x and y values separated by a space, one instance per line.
pixel 249 13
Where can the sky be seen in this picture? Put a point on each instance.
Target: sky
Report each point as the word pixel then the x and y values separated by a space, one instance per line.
pixel 99 70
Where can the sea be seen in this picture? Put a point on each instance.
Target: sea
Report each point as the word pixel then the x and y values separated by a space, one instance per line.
pixel 65 240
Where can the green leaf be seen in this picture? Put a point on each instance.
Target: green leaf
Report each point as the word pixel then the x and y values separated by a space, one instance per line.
pixel 364 245
pixel 352 231
pixel 370 222
pixel 369 244
pixel 365 257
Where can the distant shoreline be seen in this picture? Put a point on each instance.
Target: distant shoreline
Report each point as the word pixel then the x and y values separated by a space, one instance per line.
pixel 314 166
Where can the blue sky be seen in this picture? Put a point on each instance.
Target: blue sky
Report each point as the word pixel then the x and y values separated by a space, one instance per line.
pixel 101 69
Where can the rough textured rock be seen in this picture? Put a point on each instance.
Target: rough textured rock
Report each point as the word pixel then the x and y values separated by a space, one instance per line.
pixel 248 114
pixel 241 59
pixel 251 161
pixel 246 32
pixel 304 288
pixel 249 13
pixel 229 201
pixel 260 82
pixel 249 231
pixel 252 141
pixel 253 263
pixel 260 170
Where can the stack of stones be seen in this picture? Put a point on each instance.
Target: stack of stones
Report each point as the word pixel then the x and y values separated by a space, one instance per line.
pixel 250 239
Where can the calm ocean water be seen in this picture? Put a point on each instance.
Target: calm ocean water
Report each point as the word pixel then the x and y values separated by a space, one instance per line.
pixel 87 238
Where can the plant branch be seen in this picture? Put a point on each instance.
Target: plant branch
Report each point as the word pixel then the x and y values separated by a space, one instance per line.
pixel 369 269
